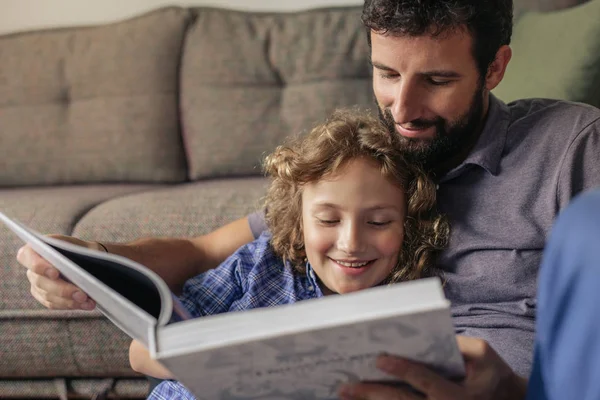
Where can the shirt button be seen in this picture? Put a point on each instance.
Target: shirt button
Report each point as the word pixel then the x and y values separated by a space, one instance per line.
pixel 437 187
pixel 311 288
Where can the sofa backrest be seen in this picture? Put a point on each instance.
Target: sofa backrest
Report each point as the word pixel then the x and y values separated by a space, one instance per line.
pixel 108 103
pixel 249 80
pixel 96 104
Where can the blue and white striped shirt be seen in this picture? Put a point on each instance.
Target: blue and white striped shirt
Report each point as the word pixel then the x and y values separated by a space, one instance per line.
pixel 252 277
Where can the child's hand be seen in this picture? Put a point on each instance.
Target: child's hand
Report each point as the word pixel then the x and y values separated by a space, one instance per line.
pixel 140 361
pixel 47 287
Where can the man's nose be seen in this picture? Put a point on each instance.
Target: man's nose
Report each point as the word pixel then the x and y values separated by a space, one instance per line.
pixel 406 105
pixel 350 239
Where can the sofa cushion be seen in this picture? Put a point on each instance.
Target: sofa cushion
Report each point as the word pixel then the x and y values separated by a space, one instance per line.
pixel 96 104
pixel 49 344
pixel 250 79
pixel 184 210
pixel 556 55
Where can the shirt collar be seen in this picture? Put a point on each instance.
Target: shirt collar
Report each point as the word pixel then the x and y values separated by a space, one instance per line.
pixel 312 279
pixel 490 145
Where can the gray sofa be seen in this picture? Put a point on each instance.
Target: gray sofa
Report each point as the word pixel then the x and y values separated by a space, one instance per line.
pixel 154 126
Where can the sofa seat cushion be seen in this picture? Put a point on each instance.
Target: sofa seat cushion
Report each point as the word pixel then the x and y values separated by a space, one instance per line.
pixel 48 210
pixel 93 104
pixel 250 79
pixel 183 210
pixel 37 344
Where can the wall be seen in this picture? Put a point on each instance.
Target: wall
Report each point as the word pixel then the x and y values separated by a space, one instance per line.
pixel 20 15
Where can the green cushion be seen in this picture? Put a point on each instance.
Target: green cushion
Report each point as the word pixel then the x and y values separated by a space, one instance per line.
pixel 555 55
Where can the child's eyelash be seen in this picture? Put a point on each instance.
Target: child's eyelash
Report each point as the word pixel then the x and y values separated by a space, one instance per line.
pixel 378 223
pixel 328 221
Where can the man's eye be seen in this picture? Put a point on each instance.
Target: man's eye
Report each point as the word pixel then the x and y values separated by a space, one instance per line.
pixel 438 82
pixel 388 75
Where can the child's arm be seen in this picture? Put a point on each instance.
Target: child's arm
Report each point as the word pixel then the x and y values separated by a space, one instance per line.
pixel 140 361
pixel 212 292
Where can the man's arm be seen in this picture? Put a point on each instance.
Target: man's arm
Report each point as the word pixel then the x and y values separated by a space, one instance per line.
pixel 175 260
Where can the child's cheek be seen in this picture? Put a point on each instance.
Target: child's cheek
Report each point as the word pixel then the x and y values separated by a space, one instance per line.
pixel 390 243
pixel 318 240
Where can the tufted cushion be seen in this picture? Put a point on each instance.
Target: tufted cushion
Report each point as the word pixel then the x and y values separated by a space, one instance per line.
pixel 249 80
pixel 92 104
pixel 185 210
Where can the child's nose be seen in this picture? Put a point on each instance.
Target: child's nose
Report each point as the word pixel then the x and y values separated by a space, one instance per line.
pixel 350 239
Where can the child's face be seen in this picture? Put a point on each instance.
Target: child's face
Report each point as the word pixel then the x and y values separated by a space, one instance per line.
pixel 353 227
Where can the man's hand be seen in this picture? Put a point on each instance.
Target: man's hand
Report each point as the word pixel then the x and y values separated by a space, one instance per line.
pixel 488 377
pixel 46 285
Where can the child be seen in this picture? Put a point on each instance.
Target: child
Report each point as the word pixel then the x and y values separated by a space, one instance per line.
pixel 345 212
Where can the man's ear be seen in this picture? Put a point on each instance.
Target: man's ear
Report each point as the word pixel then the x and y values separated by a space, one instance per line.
pixel 496 70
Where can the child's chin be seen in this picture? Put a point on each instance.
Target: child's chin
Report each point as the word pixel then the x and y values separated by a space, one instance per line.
pixel 351 289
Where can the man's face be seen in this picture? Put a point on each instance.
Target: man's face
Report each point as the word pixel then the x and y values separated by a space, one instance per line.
pixel 429 91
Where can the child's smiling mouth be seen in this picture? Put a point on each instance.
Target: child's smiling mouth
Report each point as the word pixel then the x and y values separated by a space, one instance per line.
pixel 353 263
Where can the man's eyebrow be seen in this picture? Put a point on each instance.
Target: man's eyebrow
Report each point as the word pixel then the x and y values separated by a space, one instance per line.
pixel 381 66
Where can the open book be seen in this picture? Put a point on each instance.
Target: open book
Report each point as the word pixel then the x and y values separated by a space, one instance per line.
pixel 297 351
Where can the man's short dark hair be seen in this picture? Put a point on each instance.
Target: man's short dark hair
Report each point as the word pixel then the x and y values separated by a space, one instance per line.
pixel 488 21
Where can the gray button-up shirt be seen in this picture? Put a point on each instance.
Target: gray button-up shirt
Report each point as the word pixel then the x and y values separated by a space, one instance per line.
pixel 532 157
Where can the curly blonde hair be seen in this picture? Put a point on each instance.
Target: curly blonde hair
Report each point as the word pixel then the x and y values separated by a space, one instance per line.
pixel 347 135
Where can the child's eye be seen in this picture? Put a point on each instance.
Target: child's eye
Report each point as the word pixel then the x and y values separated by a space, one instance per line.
pixel 379 223
pixel 328 221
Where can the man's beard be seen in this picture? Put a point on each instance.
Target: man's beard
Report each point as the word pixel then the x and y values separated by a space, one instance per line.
pixel 451 137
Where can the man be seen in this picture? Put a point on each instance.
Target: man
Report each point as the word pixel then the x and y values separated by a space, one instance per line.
pixel 504 173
